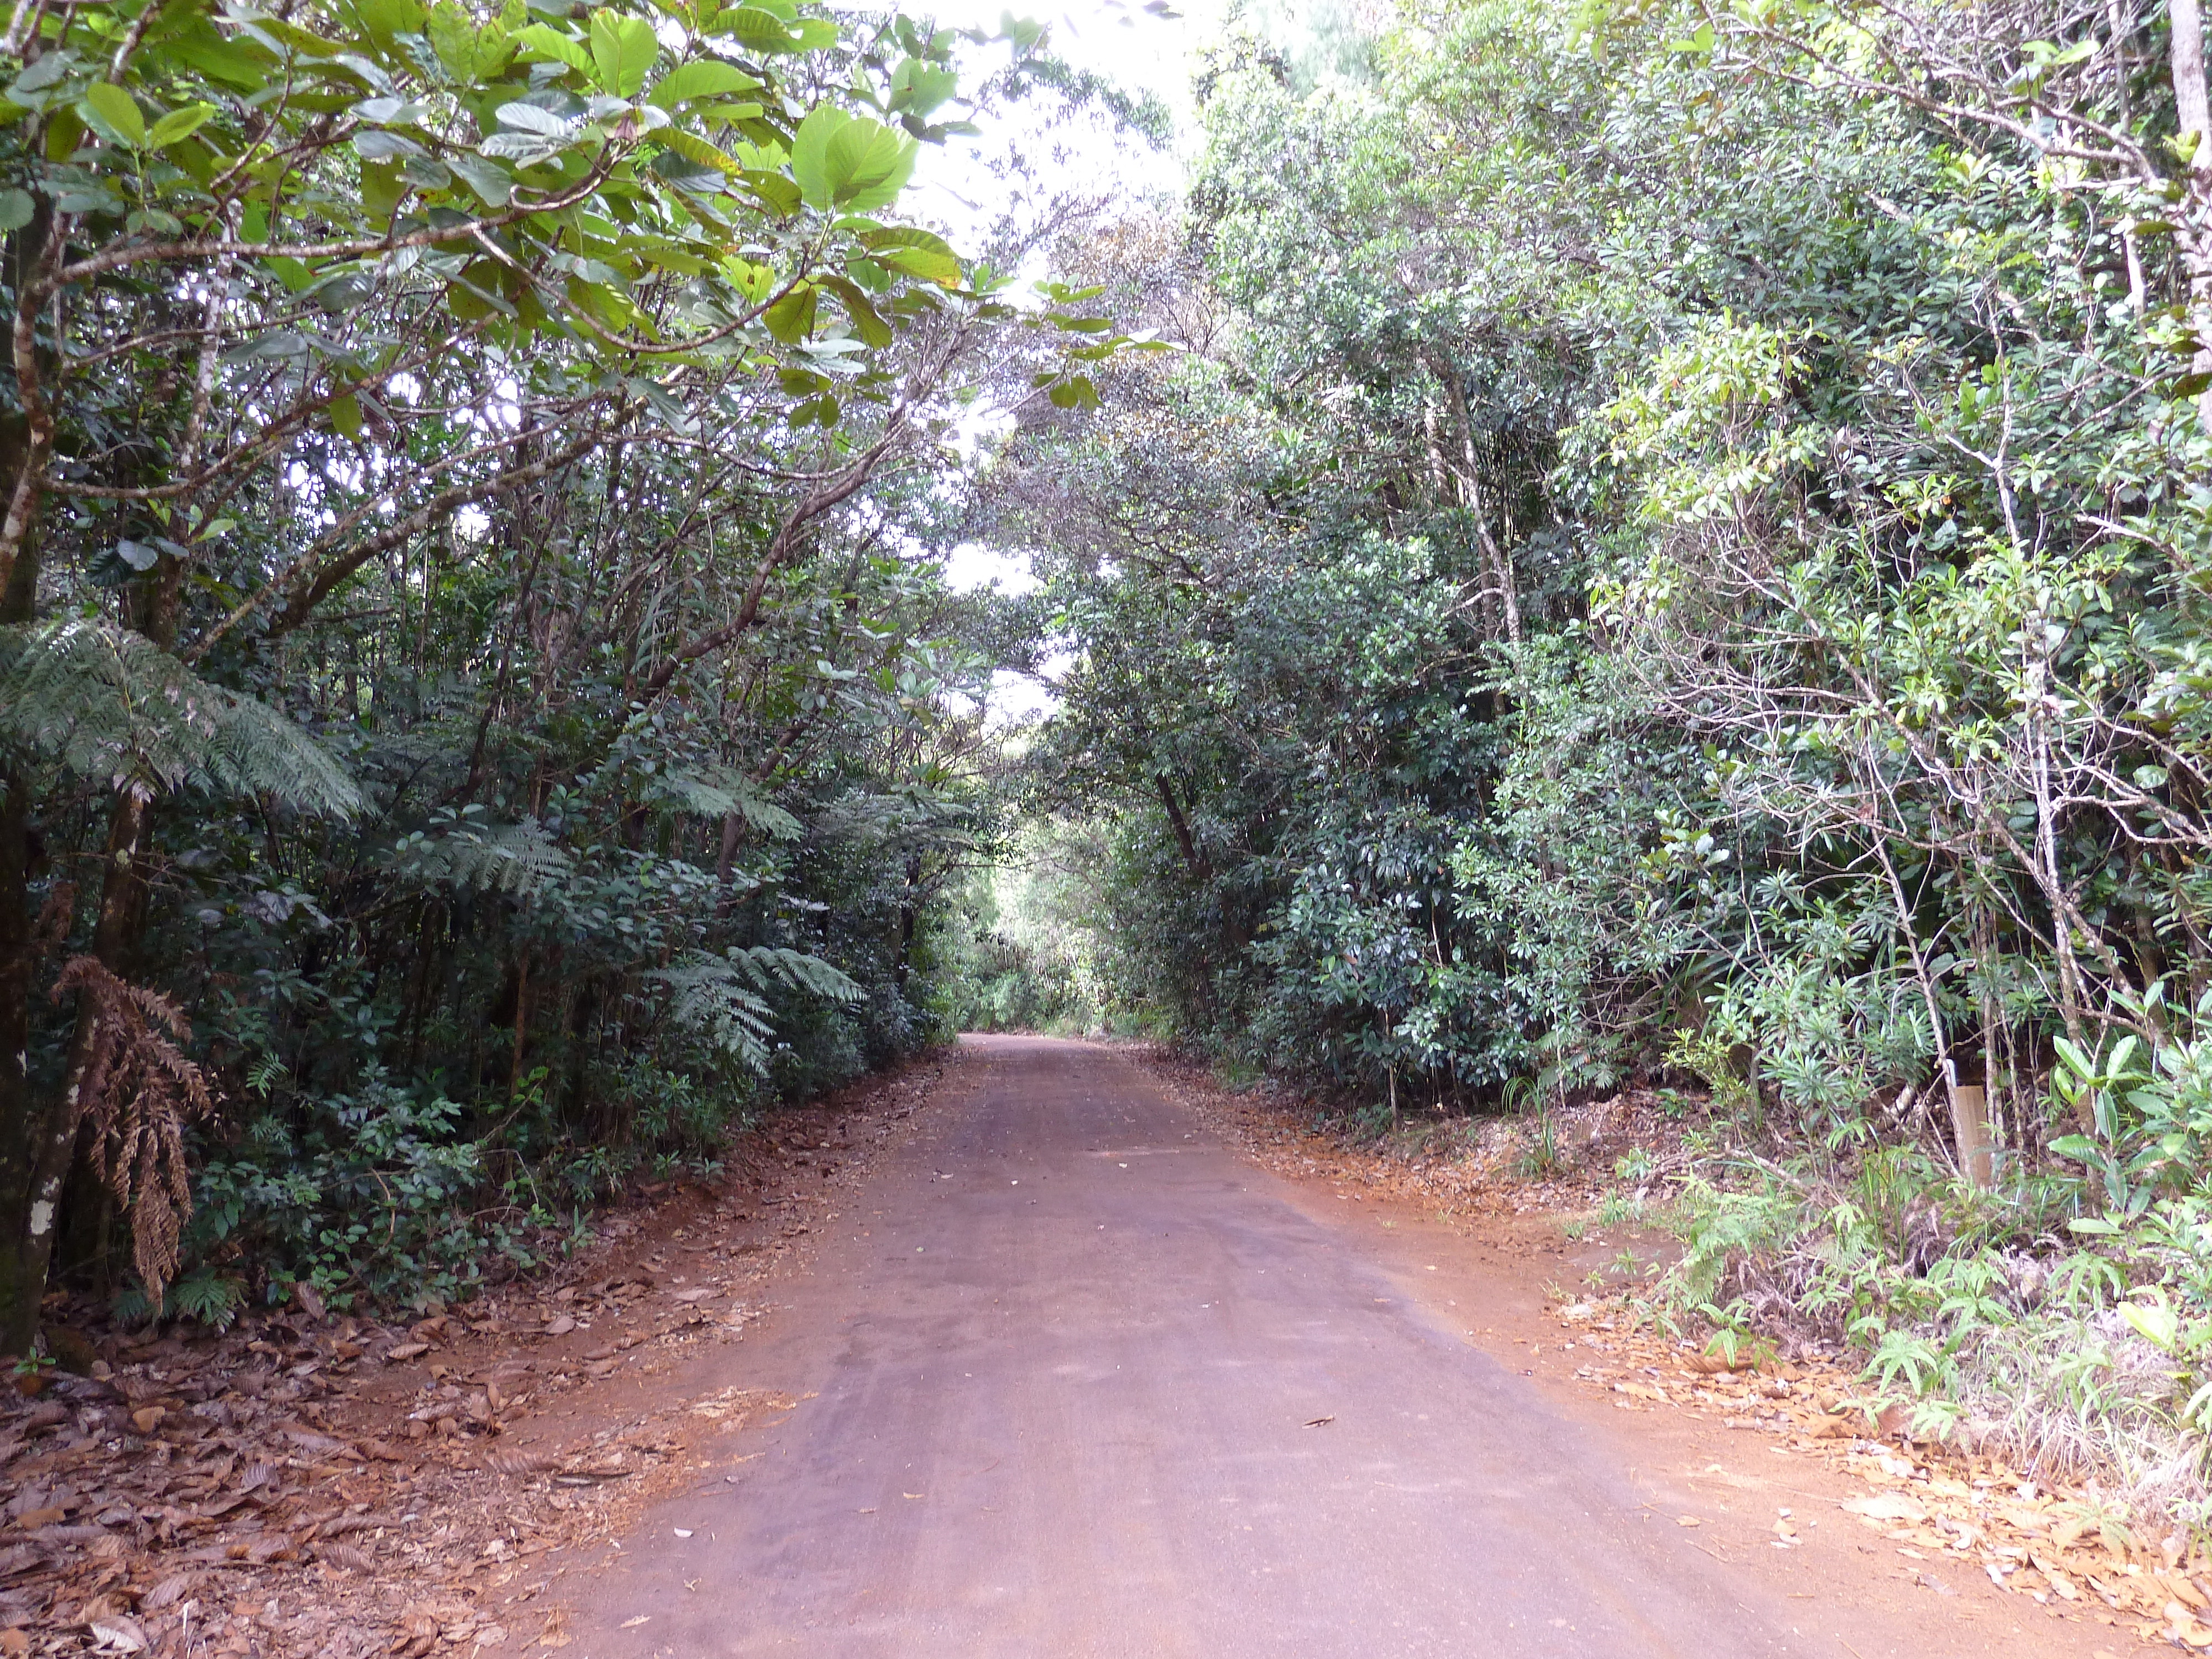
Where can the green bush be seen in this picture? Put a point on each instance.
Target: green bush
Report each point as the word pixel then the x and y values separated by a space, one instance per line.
pixel 365 1195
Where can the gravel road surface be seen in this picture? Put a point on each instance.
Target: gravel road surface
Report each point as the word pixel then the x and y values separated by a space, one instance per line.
pixel 1077 1379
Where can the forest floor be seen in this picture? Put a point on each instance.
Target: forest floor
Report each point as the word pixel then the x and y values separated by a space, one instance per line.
pixel 702 1429
pixel 336 1486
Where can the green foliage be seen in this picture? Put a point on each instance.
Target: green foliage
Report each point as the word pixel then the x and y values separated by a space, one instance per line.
pixel 1016 952
pixel 473 632
pixel 111 707
pixel 2149 1109
pixel 1652 561
pixel 364 1195
pixel 204 1295
pixel 1709 1056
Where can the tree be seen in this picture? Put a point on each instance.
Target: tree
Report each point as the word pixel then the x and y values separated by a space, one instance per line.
pixel 443 318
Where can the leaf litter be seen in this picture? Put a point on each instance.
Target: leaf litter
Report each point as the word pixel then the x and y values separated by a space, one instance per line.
pixel 2063 1546
pixel 280 1489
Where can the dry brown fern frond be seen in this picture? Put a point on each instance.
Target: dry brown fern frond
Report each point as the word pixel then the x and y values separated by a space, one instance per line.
pixel 135 1090
pixel 53 923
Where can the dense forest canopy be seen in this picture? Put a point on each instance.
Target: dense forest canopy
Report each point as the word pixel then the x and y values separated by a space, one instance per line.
pixel 480 708
pixel 1673 538
pixel 1579 546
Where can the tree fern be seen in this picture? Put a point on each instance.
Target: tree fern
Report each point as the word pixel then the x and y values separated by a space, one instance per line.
pixel 711 999
pixel 768 965
pixel 521 859
pixel 912 815
pixel 719 998
pixel 715 791
pixel 107 703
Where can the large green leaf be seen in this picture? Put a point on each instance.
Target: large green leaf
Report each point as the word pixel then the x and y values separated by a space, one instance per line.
pixel 791 318
pixel 918 88
pixel 241 62
pixel 867 321
pixel 693 148
pixel 916 252
pixel 760 28
pixel 555 47
pixel 114 113
pixel 385 20
pixel 177 125
pixel 469 52
pixel 622 50
pixel 702 77
pixel 849 163
pixel 490 181
pixel 776 193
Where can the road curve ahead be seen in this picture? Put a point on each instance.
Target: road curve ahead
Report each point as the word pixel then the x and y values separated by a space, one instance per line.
pixel 1086 1383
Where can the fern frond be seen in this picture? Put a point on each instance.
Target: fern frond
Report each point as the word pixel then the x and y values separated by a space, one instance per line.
pixel 711 1000
pixel 719 997
pixel 134 1089
pixel 912 815
pixel 521 859
pixel 210 1297
pixel 715 791
pixel 107 703
pixel 766 965
pixel 859 815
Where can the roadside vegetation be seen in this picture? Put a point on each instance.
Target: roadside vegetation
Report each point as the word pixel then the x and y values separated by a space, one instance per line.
pixel 480 711
pixel 1672 555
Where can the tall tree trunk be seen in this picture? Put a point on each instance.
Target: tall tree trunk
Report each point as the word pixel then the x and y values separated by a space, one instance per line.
pixel 521 1022
pixel 27 436
pixel 20 1124
pixel 2192 107
pixel 116 932
pixel 32 252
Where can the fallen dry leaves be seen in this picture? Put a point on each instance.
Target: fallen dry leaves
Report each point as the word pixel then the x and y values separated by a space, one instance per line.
pixel 336 1487
pixel 2058 1546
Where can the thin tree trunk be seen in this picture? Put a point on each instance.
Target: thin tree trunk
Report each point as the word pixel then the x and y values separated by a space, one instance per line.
pixel 1470 489
pixel 909 918
pixel 1947 1068
pixel 2049 876
pixel 20 1125
pixel 1200 865
pixel 521 1022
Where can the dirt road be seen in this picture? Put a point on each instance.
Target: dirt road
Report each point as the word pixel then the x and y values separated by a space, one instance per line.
pixel 1075 1379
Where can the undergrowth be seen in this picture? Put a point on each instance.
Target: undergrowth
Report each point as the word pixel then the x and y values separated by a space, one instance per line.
pixel 2063 1316
pixel 2060 1318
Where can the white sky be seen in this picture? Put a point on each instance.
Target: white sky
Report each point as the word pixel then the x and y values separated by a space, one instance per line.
pixel 955 183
